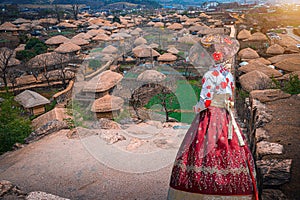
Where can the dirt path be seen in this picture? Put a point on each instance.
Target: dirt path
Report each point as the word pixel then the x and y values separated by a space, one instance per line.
pixel 64 167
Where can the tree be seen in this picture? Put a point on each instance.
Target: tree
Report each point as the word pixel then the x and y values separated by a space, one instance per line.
pixel 5 56
pixel 62 61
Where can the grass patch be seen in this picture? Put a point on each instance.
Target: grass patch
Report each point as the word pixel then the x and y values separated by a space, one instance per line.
pixel 95 50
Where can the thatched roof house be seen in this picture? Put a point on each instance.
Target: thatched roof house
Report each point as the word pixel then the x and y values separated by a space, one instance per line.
pixel 66 25
pixel 84 36
pixel 275 49
pixel 140 41
pixel 167 57
pixel 258 36
pixel 110 50
pixel 175 26
pixel 244 34
pixel 68 47
pixel 248 53
pixel 101 37
pixel 95 32
pixel 187 40
pixel 48 59
pixel 21 21
pixel 106 106
pixel 79 41
pixel 151 76
pixel 144 51
pixel 159 24
pixel 103 82
pixel 32 101
pixel 57 40
pixel 8 26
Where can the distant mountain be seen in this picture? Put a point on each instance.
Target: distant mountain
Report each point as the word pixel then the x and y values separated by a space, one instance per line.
pixel 92 3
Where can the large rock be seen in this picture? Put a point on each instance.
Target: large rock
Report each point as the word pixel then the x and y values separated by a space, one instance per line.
pixel 261 134
pixel 271 194
pixel 275 172
pixel 270 72
pixel 268 148
pixel 269 95
pixel 289 65
pixel 278 58
pixel 48 128
pixel 248 53
pixel 43 195
pixel 255 80
pixel 275 49
pixel 261 113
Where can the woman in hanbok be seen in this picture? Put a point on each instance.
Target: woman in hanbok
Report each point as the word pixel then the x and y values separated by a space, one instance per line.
pixel 214 161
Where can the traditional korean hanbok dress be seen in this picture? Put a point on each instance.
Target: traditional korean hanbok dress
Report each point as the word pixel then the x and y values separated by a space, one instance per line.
pixel 213 161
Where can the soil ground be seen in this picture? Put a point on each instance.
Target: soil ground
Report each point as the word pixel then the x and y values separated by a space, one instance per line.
pixel 284 129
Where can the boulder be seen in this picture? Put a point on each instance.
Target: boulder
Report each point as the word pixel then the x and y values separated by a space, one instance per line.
pixel 278 58
pixel 274 172
pixel 270 72
pixel 267 148
pixel 260 60
pixel 269 95
pixel 255 80
pixel 104 123
pixel 37 195
pixel 275 49
pixel 48 128
pixel 261 134
pixel 262 114
pixel 289 65
pixel 248 53
pixel 271 194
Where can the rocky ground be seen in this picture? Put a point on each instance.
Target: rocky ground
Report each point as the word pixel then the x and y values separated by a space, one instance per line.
pixel 71 167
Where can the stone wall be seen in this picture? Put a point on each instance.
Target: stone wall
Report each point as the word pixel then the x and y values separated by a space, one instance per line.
pixel 273 168
pixel 64 95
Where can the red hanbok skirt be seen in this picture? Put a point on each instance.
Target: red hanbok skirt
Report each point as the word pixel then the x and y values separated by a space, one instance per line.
pixel 208 165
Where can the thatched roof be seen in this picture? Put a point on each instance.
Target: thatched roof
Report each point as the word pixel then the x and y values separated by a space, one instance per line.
pixel 139 41
pixel 48 59
pixel 66 25
pixel 207 31
pixel 175 26
pixel 56 40
pixel 107 103
pixel 276 59
pixel 79 41
pixel 103 82
pixel 48 21
pixel 95 32
pixel 101 37
pixel 151 76
pixel 144 51
pixel 275 49
pixel 290 64
pixel 260 60
pixel 110 50
pixel 56 75
pixel 159 24
pixel 30 99
pixel 8 26
pixel 258 36
pixel 248 53
pixel 260 67
pixel 198 28
pixel 244 34
pixel 54 114
pixel 68 47
pixel 25 80
pixel 84 36
pixel 135 33
pixel 167 57
pixel 173 50
pixel 21 21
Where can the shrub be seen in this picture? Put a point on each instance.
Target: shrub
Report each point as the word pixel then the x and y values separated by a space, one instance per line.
pixel 14 127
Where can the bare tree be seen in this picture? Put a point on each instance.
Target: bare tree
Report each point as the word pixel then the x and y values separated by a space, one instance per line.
pixel 62 61
pixel 5 56
pixel 57 12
